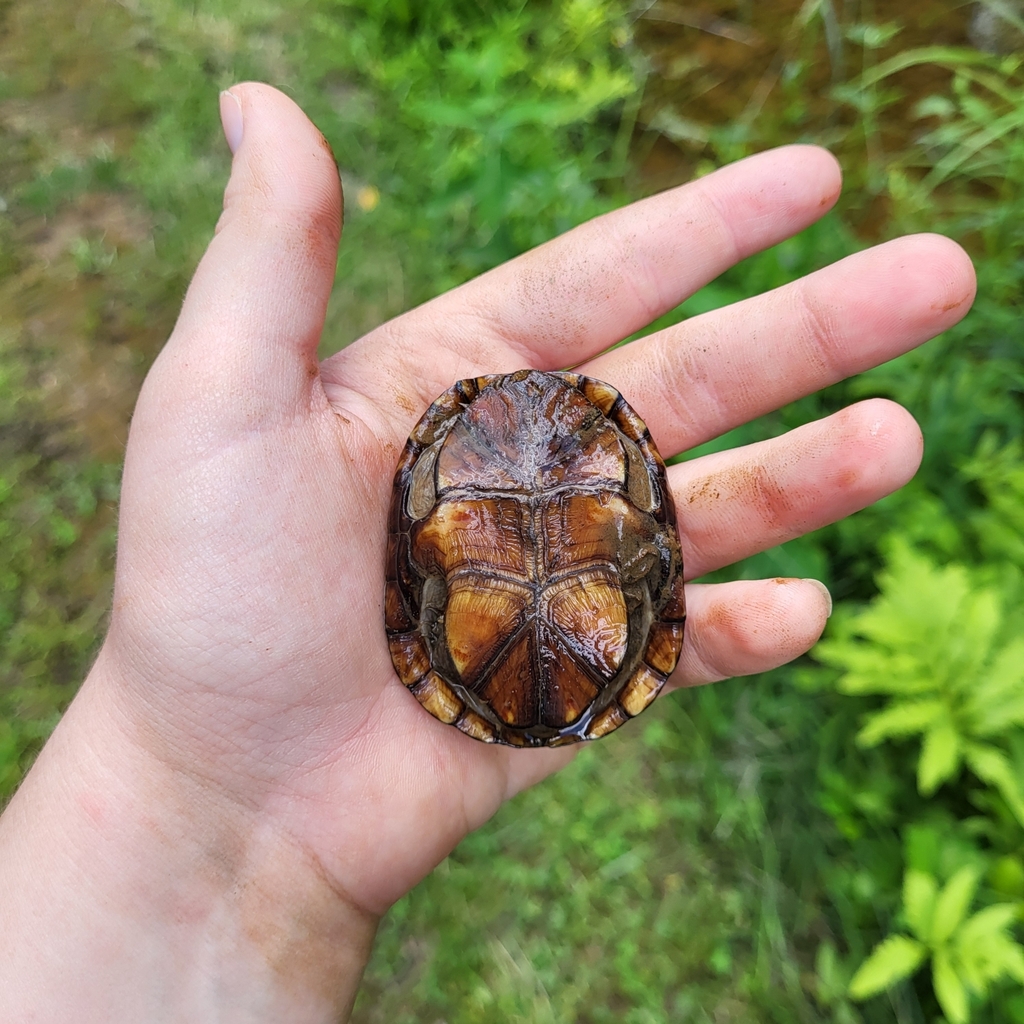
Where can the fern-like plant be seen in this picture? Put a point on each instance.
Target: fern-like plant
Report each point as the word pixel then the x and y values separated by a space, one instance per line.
pixel 968 954
pixel 939 645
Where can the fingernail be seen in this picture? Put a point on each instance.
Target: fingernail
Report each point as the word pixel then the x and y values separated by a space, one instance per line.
pixel 231 119
pixel 824 590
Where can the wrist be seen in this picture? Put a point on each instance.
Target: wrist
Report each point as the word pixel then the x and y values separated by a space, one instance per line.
pixel 133 890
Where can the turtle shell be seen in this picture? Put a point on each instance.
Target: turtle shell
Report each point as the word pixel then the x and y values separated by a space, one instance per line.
pixel 534 591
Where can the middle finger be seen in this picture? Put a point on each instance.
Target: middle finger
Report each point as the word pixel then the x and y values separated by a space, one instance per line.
pixel 700 378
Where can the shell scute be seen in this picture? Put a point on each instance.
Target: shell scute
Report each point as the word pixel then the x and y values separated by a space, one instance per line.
pixel 610 719
pixel 585 528
pixel 479 728
pixel 589 611
pixel 487 532
pixel 566 689
pixel 480 618
pixel 508 689
pixel 595 457
pixel 411 657
pixel 438 698
pixel 641 689
pixel 662 651
pixel 396 616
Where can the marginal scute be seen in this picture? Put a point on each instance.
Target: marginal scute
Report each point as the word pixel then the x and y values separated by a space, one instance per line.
pixel 533 592
pixel 602 395
pixel 565 739
pixel 479 728
pixel 663 647
pixel 411 657
pixel 611 718
pixel 395 615
pixel 446 406
pixel 641 689
pixel 408 457
pixel 438 698
pixel 630 424
pixel 675 607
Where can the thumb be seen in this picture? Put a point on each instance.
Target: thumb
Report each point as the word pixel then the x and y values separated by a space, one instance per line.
pixel 244 349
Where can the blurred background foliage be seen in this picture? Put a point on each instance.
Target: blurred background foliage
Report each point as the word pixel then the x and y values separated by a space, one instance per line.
pixel 842 839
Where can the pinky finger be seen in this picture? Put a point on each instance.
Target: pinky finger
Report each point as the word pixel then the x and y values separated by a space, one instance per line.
pixel 737 629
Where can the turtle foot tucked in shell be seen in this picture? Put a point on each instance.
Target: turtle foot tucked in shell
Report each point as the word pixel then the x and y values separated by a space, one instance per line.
pixel 534 592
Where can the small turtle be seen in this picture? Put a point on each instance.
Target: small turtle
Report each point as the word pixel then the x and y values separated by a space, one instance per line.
pixel 534 591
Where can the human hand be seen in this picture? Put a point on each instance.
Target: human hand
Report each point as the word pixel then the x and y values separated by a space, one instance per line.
pixel 252 784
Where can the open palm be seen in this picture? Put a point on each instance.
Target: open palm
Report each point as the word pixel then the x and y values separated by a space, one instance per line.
pixel 247 649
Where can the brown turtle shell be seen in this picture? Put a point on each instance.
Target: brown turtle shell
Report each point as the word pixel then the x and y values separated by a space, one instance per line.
pixel 534 590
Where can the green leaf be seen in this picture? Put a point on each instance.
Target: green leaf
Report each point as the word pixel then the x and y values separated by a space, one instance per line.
pixel 985 950
pixel 920 606
pixel 900 719
pixel 949 989
pixel 919 892
pixel 996 918
pixel 929 635
pixel 991 765
pixel 831 976
pixel 943 55
pixel 981 618
pixel 1013 962
pixel 953 903
pixel 940 756
pixel 893 959
pixel 998 703
pixel 873 669
pixel 954 160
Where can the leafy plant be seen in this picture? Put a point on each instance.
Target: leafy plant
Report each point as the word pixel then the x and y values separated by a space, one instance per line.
pixel 485 128
pixel 941 647
pixel 969 147
pixel 968 954
pixel 999 523
pixel 831 985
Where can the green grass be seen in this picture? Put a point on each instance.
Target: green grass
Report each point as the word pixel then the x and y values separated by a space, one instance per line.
pixel 615 891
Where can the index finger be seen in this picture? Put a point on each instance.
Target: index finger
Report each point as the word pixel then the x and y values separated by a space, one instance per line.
pixel 576 295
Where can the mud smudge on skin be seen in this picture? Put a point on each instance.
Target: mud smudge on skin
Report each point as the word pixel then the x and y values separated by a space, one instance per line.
pixel 955 304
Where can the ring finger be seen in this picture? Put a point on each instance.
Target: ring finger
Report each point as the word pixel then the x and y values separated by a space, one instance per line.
pixel 734 504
